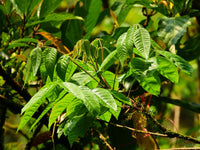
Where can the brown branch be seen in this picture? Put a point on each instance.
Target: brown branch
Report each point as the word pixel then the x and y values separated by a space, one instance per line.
pixel 170 133
pixel 12 106
pixel 104 140
pixel 15 85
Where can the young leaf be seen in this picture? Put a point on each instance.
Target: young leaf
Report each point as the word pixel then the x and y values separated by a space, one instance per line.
pixel 31 107
pixel 59 107
pixel 50 61
pixel 142 42
pixel 86 95
pixel 62 66
pixel 178 61
pixel 129 39
pixel 36 57
pixel 121 48
pixel 106 98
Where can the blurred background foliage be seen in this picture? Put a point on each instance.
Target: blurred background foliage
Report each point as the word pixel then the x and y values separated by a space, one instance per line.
pixel 177 118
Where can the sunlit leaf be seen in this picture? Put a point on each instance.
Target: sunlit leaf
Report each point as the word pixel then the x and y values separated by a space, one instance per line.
pixel 121 48
pixel 106 98
pixel 142 42
pixel 86 95
pixel 59 107
pixel 32 106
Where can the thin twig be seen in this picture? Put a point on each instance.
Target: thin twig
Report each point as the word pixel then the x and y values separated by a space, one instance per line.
pixel 104 140
pixel 86 72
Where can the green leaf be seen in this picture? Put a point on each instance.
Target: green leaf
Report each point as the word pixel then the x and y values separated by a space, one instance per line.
pixel 106 98
pixel 43 70
pixel 150 83
pixel 106 116
pixel 59 107
pixel 29 71
pixel 142 42
pixel 32 106
pixel 86 95
pixel 139 66
pixel 48 7
pixel 167 69
pixel 178 61
pixel 15 44
pixel 108 60
pixel 121 48
pixel 92 17
pixel 111 79
pixel 71 68
pixel 47 108
pixel 26 40
pixel 129 39
pixel 124 12
pixel 120 97
pixel 172 29
pixel 62 66
pixel 83 78
pixel 71 32
pixel 36 57
pixel 54 17
pixel 116 113
pixel 76 108
pixel 50 61
pixel 77 127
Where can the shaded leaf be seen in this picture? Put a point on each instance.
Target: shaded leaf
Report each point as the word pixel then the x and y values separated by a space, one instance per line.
pixel 48 7
pixel 92 17
pixel 77 127
pixel 62 66
pixel 50 61
pixel 120 97
pixel 172 29
pixel 178 61
pixel 36 57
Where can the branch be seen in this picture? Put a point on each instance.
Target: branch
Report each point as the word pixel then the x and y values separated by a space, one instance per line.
pixel 12 106
pixel 104 140
pixel 15 85
pixel 187 105
pixel 170 133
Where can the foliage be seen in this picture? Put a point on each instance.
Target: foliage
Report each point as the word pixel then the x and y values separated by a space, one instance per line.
pixel 88 82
